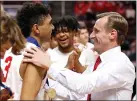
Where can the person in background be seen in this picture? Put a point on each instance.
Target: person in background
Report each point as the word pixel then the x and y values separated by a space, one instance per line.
pixel 53 43
pixel 81 39
pixel 4 47
pixel 84 36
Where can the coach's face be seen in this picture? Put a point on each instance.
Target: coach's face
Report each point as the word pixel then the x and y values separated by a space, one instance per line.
pixel 100 35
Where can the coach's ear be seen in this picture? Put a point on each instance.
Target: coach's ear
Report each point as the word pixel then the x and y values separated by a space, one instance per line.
pixel 35 29
pixel 113 34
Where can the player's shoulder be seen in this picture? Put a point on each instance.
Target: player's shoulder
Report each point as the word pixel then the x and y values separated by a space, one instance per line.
pixel 28 45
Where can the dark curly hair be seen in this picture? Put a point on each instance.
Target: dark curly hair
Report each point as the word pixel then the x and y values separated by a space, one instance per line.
pixel 70 22
pixel 30 14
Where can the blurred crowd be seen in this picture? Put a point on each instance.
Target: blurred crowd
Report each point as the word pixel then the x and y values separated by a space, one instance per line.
pixel 126 9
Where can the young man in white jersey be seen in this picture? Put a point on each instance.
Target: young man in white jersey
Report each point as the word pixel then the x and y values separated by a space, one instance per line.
pixel 13 58
pixel 36 24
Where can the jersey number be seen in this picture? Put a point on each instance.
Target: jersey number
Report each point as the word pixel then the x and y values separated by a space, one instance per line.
pixel 7 60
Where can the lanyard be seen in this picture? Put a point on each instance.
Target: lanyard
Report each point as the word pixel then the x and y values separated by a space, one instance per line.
pixel 2 85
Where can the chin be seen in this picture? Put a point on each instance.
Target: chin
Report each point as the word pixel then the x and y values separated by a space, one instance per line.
pixel 64 46
pixel 95 48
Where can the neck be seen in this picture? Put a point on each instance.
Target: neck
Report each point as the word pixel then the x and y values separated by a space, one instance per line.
pixel 83 44
pixel 37 38
pixel 108 48
pixel 65 50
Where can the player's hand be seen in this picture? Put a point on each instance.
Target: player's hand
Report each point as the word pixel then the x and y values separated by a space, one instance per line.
pixel 77 52
pixel 38 57
pixel 12 97
pixel 1 75
pixel 70 64
pixel 4 95
pixel 73 59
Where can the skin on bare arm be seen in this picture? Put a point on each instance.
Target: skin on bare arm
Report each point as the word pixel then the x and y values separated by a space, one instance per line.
pixel 33 76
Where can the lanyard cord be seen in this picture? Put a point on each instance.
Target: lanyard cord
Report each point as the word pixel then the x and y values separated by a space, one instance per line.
pixel 2 85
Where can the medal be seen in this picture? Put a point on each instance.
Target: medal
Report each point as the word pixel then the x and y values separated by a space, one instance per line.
pixel 51 93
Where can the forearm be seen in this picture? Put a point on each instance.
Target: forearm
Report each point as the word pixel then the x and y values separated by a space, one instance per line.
pixel 79 68
pixel 69 83
pixel 88 83
pixel 31 82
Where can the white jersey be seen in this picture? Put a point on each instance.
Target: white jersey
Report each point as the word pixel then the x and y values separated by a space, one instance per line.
pixel 61 56
pixel 10 67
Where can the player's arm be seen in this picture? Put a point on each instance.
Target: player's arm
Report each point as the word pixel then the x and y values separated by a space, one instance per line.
pixel 32 80
pixel 73 62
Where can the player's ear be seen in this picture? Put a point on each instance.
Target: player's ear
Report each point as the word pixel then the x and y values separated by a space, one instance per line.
pixel 35 29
